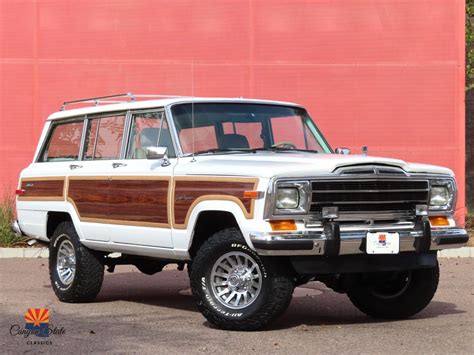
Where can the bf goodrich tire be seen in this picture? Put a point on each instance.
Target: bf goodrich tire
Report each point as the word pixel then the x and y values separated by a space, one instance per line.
pixel 395 295
pixel 76 272
pixel 234 289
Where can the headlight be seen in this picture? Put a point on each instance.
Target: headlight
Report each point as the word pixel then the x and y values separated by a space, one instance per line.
pixel 439 196
pixel 287 198
pixel 442 195
pixel 292 197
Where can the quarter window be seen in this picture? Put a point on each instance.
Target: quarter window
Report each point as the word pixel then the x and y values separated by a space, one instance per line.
pixel 64 142
pixel 104 138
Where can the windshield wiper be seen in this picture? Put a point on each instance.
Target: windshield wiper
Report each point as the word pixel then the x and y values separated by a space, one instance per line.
pixel 222 150
pixel 281 149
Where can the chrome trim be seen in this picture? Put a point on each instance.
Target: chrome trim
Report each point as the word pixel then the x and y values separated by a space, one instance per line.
pixel 304 197
pixel 353 216
pixel 351 240
pixel 376 168
pixel 15 227
pixel 85 126
pixel 452 190
pixel 173 131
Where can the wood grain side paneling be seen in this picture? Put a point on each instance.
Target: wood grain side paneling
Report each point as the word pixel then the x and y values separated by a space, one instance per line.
pixel 138 201
pixel 42 189
pixel 189 191
pixel 89 196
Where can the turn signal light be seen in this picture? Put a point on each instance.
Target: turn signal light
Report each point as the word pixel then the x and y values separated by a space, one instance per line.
pixel 252 194
pixel 20 192
pixel 439 221
pixel 283 225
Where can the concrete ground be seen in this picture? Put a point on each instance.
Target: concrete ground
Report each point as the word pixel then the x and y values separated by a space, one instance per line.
pixel 139 313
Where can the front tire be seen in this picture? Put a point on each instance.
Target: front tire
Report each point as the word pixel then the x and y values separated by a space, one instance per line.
pixel 395 295
pixel 234 289
pixel 76 272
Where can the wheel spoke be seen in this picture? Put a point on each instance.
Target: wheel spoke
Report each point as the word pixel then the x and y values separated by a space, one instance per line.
pixel 226 267
pixel 237 299
pixel 219 283
pixel 231 262
pixel 223 292
pixel 221 274
pixel 228 299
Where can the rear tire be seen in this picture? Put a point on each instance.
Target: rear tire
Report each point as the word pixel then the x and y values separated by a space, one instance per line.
pixel 76 272
pixel 393 295
pixel 234 288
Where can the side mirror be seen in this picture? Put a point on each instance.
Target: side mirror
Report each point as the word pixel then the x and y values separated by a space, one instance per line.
pixel 344 151
pixel 156 153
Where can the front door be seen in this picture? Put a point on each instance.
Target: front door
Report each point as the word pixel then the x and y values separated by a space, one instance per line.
pixel 139 188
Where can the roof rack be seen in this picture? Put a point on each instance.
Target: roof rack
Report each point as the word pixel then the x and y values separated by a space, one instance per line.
pixel 103 99
pixel 96 99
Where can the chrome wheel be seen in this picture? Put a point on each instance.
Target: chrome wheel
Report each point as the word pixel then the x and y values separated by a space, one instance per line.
pixel 236 280
pixel 66 262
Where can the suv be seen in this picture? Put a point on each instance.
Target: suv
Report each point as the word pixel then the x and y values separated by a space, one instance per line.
pixel 248 194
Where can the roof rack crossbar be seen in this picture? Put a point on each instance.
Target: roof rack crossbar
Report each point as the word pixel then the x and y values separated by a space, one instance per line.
pixel 96 99
pixel 156 95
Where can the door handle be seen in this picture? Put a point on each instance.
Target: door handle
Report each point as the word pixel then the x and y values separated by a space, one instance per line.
pixel 75 166
pixel 118 165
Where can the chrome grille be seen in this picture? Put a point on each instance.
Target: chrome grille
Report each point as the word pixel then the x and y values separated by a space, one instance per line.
pixel 370 196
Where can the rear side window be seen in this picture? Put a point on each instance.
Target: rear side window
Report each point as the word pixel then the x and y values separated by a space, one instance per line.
pixel 104 138
pixel 64 142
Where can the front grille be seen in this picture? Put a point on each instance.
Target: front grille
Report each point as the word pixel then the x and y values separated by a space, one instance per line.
pixel 369 195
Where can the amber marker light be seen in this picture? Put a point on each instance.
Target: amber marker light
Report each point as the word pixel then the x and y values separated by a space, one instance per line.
pixel 252 194
pixel 283 225
pixel 439 221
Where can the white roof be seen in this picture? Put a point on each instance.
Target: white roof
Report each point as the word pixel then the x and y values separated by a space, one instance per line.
pixel 146 104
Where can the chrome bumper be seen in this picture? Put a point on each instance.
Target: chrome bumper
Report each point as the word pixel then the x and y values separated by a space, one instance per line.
pixel 353 241
pixel 15 227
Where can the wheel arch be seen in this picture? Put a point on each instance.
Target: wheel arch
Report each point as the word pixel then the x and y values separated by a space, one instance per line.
pixel 54 219
pixel 207 223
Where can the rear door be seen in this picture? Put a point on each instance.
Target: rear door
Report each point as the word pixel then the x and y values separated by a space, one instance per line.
pixel 89 181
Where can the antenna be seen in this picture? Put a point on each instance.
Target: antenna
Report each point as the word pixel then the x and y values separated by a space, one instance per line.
pixel 192 106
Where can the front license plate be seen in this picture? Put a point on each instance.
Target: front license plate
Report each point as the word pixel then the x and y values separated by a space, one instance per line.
pixel 383 243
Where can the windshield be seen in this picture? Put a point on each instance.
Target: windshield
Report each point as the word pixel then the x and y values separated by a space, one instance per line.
pixel 241 126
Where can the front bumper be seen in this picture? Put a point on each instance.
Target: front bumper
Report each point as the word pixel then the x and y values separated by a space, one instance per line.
pixel 334 240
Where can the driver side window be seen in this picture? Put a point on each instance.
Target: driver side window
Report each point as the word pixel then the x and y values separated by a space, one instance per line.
pixel 149 129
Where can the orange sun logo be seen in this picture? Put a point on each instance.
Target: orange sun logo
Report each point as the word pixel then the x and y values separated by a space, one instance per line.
pixel 37 316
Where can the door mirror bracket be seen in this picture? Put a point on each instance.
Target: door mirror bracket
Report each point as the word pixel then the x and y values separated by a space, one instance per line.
pixel 158 153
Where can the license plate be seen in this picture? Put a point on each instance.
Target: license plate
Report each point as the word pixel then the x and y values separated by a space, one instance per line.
pixel 383 243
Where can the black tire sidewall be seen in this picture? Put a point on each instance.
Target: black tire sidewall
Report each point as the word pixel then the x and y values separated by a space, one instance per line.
pixel 418 294
pixel 89 271
pixel 203 273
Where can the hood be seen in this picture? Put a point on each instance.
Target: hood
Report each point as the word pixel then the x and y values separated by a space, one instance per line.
pixel 289 164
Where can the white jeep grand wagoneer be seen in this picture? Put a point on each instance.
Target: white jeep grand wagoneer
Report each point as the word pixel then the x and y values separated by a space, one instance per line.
pixel 247 193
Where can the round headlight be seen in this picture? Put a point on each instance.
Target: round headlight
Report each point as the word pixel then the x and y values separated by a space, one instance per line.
pixel 439 196
pixel 287 198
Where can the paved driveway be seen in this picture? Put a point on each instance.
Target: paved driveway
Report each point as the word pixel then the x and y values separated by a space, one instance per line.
pixel 140 313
